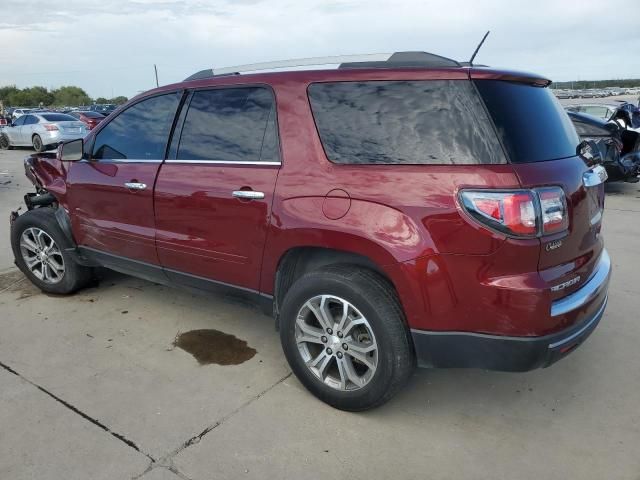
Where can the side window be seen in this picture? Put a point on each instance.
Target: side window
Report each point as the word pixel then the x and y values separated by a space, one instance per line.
pixel 30 120
pixel 404 122
pixel 230 125
pixel 138 133
pixel 19 121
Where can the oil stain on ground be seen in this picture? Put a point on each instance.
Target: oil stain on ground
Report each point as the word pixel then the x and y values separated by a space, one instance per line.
pixel 212 346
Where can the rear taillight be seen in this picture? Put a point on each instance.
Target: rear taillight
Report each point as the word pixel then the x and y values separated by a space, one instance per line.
pixel 553 210
pixel 50 127
pixel 520 213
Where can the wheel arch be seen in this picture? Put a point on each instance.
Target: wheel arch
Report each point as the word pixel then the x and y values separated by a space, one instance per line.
pixel 298 260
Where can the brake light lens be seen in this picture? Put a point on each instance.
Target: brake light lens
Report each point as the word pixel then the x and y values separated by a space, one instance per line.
pixel 50 127
pixel 520 213
pixel 553 206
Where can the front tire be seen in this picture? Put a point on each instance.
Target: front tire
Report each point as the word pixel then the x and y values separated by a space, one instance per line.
pixel 343 333
pixel 41 252
pixel 37 143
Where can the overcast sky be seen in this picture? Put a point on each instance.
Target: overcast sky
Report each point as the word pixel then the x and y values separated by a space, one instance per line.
pixel 108 47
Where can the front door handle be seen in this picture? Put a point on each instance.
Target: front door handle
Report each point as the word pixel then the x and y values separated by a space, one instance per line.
pixel 135 185
pixel 248 194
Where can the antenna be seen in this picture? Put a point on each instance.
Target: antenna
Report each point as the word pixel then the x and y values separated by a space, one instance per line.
pixel 478 48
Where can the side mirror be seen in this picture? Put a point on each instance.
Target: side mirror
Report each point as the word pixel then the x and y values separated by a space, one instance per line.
pixel 72 151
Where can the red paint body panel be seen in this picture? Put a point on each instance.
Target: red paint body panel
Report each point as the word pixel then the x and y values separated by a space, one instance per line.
pixel 107 216
pixel 202 230
pixel 450 273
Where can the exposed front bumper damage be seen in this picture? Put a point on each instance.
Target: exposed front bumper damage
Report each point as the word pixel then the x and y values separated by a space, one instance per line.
pixel 518 354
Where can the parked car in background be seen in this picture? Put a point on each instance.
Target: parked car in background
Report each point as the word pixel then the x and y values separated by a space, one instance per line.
pixel 104 108
pixel 41 131
pixel 618 148
pixel 18 112
pixel 419 216
pixel 89 118
pixel 625 114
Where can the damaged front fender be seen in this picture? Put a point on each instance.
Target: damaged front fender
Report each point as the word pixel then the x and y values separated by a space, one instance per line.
pixel 47 173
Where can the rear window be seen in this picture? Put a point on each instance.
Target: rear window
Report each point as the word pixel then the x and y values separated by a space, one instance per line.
pixel 57 117
pixel 530 121
pixel 403 122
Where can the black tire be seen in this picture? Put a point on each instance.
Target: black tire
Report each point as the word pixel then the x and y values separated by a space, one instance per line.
pixel 75 276
pixel 36 141
pixel 5 144
pixel 376 300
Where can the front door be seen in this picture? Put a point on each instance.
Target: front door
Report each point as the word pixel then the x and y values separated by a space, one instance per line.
pixel 14 132
pixel 111 191
pixel 214 192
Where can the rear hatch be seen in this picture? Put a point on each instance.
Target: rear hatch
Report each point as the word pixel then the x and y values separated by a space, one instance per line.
pixel 540 142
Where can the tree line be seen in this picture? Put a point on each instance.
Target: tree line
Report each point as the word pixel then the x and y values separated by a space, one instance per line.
pixel 12 96
pixel 584 84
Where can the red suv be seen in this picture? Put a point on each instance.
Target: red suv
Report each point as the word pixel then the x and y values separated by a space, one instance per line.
pixel 387 213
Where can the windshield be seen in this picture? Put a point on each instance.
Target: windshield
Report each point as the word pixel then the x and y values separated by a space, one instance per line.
pixel 529 120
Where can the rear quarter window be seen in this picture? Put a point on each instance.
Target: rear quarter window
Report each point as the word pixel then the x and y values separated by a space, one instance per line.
pixel 530 122
pixel 404 122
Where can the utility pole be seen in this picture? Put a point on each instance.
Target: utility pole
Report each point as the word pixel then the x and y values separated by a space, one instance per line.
pixel 156 69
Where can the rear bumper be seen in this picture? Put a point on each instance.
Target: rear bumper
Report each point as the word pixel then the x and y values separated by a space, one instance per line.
pixel 519 354
pixel 55 137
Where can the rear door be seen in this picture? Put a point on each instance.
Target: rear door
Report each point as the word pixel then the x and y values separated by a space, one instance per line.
pixel 213 195
pixel 541 143
pixel 111 192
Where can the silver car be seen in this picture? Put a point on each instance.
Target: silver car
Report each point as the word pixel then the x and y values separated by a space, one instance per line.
pixel 42 130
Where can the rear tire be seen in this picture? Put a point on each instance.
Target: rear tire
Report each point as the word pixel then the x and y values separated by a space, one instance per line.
pixel 346 378
pixel 41 252
pixel 37 143
pixel 5 144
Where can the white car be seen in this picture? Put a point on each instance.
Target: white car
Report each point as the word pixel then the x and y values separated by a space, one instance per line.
pixel 18 112
pixel 42 130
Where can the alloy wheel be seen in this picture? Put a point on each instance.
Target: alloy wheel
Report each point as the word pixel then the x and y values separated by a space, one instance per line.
pixel 37 143
pixel 336 342
pixel 41 255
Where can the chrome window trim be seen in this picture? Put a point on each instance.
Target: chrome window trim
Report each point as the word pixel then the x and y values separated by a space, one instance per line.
pixel 225 162
pixel 588 291
pixel 121 160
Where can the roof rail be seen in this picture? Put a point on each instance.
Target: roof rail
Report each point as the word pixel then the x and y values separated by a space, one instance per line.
pixel 372 60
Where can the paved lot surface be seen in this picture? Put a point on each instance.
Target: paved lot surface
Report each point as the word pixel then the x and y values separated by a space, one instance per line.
pixel 92 387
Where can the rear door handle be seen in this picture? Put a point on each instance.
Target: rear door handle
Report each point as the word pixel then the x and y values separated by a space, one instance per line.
pixel 248 194
pixel 135 185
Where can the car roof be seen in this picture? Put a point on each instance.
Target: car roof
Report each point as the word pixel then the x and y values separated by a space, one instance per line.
pixel 360 74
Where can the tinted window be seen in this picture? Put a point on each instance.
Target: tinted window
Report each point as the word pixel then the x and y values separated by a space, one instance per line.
pixel 30 120
pixel 407 122
pixel 138 133
pixel 230 125
pixel 19 121
pixel 58 117
pixel 530 121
